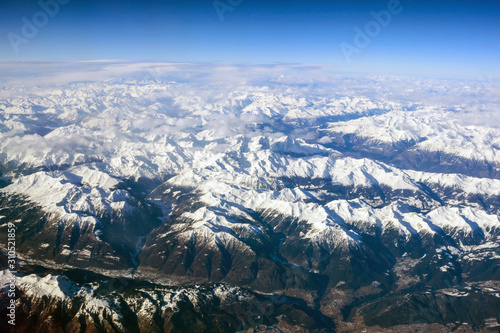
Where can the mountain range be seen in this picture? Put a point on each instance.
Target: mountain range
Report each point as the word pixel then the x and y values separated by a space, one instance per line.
pixel 168 206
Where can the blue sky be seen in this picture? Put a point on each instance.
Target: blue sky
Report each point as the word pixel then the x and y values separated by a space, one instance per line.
pixel 440 38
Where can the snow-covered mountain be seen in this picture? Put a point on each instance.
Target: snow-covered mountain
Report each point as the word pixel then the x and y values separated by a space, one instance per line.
pixel 341 204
